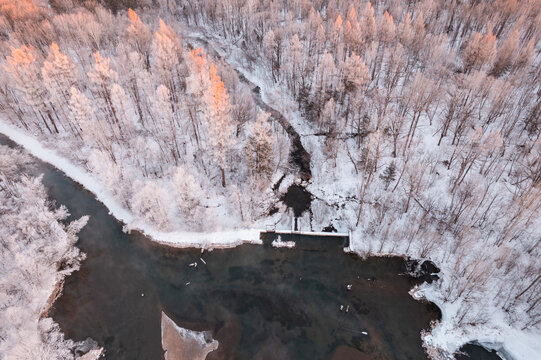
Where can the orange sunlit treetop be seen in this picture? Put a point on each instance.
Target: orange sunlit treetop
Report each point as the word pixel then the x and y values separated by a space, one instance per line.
pixel 19 9
pixel 133 16
pixel 218 88
pixel 198 58
pixel 21 56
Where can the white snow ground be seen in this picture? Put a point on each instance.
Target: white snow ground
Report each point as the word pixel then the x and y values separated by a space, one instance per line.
pixel 511 343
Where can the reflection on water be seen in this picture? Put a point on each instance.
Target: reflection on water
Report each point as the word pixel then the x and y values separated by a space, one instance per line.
pixel 260 302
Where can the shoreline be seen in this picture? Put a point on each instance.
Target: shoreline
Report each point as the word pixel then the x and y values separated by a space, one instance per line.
pixel 57 292
pixel 92 354
pixel 216 239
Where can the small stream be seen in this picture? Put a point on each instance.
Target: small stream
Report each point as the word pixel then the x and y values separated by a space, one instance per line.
pixel 299 158
pixel 259 302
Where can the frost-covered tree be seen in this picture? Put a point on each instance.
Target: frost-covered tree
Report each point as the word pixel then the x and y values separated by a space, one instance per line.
pixel 355 78
pixel 353 33
pixel 259 148
pixel 219 125
pixel 165 130
pixel 197 84
pixel 92 129
pixel 478 51
pixel 150 202
pixel 243 109
pixel 22 66
pixel 189 197
pixel 505 55
pixel 368 23
pixel 294 64
pixel 124 110
pixel 101 78
pixel 59 74
pixel 167 51
pixel 327 119
pixel 137 82
pixel 272 45
pixel 389 174
pixel 34 240
pixel 355 73
pixel 140 37
pixel 100 163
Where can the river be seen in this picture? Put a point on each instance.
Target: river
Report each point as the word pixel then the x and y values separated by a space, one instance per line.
pixel 259 302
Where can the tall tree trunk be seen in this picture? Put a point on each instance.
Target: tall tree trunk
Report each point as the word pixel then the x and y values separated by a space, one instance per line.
pixel 223 176
pixel 528 287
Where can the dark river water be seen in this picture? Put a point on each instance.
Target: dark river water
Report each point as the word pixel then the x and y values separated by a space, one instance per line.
pixel 476 352
pixel 259 302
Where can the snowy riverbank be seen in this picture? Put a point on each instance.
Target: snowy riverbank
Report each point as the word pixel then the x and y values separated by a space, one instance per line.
pixel 215 239
pixel 448 335
pixel 38 253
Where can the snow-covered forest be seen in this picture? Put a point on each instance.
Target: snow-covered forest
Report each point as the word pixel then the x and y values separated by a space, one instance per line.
pixel 150 116
pixel 37 251
pixel 422 118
